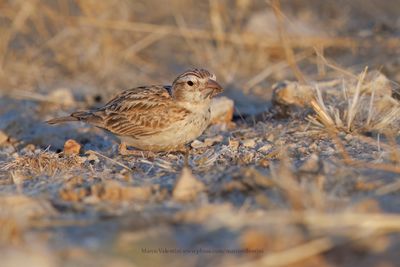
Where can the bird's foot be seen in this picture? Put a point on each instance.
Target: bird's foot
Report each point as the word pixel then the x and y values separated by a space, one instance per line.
pixel 124 151
pixel 182 149
pixel 185 150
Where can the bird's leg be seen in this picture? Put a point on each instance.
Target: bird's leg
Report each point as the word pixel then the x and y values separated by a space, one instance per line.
pixel 186 161
pixel 182 149
pixel 185 150
pixel 124 151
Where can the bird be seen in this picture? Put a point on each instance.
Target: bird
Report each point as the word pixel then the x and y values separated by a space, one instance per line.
pixel 156 118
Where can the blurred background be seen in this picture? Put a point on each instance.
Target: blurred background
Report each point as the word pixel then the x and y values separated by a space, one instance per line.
pixel 96 48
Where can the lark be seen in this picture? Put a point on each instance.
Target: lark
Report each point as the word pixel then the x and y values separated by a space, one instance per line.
pixel 156 118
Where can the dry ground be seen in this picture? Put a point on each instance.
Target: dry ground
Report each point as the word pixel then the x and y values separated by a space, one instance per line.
pixel 306 174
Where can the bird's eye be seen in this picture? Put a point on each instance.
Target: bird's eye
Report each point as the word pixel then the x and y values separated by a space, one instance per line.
pixel 190 83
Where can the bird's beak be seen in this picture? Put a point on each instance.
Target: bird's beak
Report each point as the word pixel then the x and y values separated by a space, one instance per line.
pixel 213 87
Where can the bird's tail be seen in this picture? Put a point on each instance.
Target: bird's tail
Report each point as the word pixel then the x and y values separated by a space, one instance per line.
pixel 61 120
pixel 85 116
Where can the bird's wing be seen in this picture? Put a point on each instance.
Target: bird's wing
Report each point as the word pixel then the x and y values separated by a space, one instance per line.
pixel 141 112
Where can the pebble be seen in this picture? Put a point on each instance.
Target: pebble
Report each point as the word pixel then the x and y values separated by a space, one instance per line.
pixel 249 143
pixel 3 137
pixel 302 150
pixel 187 186
pixel 312 164
pixel 348 137
pixel 71 147
pixel 221 110
pixel 212 140
pixel 265 148
pixel 270 137
pixel 93 157
pixel 62 96
pixel 233 144
pixel 197 144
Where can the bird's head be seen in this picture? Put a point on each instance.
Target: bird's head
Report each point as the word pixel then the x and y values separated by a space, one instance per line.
pixel 195 85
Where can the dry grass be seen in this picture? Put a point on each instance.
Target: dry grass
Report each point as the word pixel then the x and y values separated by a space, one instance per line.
pixel 372 227
pixel 38 44
pixel 42 163
pixel 366 106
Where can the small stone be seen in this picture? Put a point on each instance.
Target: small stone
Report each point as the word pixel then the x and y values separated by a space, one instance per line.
pixel 312 164
pixel 91 200
pixel 26 207
pixel 187 186
pixel 314 147
pixel 140 193
pixel 74 181
pixel 328 167
pixel 62 96
pixel 233 144
pixel 234 185
pixel 265 148
pixel 280 142
pixel 249 143
pixel 264 162
pixel 71 147
pixel 3 137
pixel 292 93
pixel 379 84
pixel 93 157
pixel 72 194
pixel 366 206
pixel 112 191
pixel 348 137
pixel 330 151
pixel 221 110
pixel 212 140
pixel 28 149
pixel 302 150
pixel 270 138
pixel 247 158
pixel 254 240
pixel 197 144
pixel 367 186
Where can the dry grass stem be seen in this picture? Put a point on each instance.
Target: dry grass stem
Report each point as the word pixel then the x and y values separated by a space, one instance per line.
pixel 276 6
pixel 247 39
pixel 265 73
pixel 365 110
pixel 108 158
pixel 354 102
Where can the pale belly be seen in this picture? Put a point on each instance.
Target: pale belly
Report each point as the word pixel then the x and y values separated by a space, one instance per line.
pixel 173 137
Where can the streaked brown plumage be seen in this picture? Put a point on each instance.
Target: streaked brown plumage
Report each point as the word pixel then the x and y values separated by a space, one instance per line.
pixel 156 118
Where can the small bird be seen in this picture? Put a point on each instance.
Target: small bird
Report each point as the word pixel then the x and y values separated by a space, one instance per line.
pixel 156 118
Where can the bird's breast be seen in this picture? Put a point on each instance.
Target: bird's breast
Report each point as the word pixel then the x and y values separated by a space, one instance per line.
pixel 175 135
